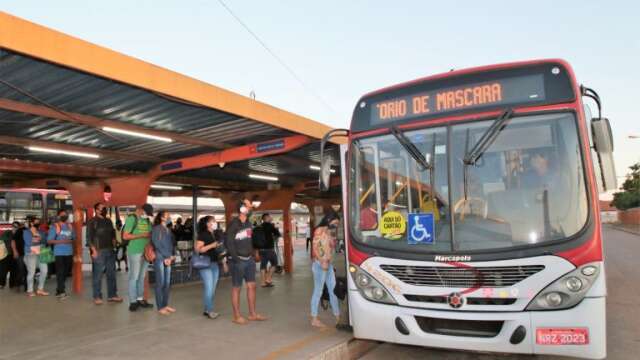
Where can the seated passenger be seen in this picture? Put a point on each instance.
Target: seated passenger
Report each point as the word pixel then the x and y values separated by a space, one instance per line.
pixel 368 218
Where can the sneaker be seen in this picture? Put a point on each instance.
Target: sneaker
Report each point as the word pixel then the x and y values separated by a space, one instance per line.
pixel 145 304
pixel 211 315
pixel 133 306
pixel 62 296
pixel 115 299
pixel 98 301
pixel 42 293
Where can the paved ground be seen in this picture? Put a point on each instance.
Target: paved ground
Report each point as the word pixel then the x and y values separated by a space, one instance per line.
pixel 623 322
pixel 44 328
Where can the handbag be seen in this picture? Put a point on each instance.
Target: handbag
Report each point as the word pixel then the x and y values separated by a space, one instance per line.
pixel 46 255
pixel 200 261
pixel 3 250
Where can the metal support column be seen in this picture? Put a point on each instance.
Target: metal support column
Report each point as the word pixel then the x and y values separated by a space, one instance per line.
pixel 194 213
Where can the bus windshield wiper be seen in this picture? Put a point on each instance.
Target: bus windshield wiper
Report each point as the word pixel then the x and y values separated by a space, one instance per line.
pixel 411 149
pixel 488 138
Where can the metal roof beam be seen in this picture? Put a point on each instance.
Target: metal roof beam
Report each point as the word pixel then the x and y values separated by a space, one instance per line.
pixel 79 171
pixel 10 140
pixel 92 121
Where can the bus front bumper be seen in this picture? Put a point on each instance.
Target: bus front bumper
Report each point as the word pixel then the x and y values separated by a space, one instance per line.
pixel 376 321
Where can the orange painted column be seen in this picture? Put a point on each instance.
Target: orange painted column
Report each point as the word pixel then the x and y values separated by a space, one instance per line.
pixel 288 242
pixel 78 215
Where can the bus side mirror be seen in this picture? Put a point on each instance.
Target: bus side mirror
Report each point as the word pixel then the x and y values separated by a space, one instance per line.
pixel 325 161
pixel 603 145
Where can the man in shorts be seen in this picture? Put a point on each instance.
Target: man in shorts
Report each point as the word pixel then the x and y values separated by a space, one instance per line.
pixel 268 253
pixel 243 264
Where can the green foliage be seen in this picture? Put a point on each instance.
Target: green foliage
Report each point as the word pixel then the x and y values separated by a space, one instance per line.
pixel 630 196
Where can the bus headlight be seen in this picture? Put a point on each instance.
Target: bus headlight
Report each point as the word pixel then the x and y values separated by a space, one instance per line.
pixel 369 287
pixel 568 290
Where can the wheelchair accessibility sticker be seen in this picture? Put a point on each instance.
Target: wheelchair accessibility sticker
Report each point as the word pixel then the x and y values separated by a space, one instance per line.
pixel 421 229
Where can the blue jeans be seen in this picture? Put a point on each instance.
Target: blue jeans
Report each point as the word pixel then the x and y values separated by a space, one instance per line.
pixel 321 276
pixel 137 271
pixel 106 260
pixel 210 281
pixel 163 282
pixel 32 261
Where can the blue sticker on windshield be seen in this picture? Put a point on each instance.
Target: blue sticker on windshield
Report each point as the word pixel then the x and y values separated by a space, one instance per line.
pixel 421 229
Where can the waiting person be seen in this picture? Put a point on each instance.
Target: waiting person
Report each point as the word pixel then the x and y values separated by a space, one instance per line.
pixel 208 243
pixel 243 264
pixel 62 235
pixel 324 244
pixel 101 237
pixel 268 256
pixel 17 248
pixel 137 230
pixel 33 240
pixel 121 248
pixel 162 240
pixel 8 264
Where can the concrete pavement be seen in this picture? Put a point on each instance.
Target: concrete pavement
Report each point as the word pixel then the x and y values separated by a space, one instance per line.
pixel 46 328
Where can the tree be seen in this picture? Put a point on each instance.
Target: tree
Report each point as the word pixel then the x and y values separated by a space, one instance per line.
pixel 630 196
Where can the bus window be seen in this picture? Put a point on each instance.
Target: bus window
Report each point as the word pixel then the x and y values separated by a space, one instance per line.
pixel 17 206
pixel 366 190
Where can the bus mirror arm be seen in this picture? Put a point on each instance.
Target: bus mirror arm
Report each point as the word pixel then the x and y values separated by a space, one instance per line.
pixel 325 161
pixel 602 138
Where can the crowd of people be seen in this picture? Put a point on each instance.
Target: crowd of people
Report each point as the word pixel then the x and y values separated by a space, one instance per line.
pixel 151 239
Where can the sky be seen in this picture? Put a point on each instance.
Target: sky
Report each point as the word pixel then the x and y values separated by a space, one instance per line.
pixel 343 49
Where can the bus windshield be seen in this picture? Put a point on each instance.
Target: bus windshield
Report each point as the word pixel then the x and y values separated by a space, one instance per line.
pixel 526 188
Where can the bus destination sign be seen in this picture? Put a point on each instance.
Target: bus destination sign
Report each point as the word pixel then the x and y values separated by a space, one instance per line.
pixel 508 91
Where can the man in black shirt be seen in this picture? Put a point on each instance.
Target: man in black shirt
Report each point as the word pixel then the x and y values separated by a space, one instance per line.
pixel 268 253
pixel 17 248
pixel 101 237
pixel 243 264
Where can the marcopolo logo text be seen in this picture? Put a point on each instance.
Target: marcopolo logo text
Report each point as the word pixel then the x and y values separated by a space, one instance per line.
pixel 446 258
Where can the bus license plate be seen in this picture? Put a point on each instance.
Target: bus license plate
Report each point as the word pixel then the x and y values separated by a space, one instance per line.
pixel 563 336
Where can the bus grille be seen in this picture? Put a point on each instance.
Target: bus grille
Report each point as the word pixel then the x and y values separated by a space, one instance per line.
pixel 459 277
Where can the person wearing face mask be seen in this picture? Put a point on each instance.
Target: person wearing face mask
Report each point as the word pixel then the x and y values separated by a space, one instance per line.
pixel 162 240
pixel 33 239
pixel 137 230
pixel 8 264
pixel 101 237
pixel 62 235
pixel 211 245
pixel 324 244
pixel 243 264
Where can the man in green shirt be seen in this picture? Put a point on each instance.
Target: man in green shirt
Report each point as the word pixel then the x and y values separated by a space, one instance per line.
pixel 137 231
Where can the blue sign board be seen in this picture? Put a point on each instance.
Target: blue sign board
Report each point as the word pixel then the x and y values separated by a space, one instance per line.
pixel 421 229
pixel 270 146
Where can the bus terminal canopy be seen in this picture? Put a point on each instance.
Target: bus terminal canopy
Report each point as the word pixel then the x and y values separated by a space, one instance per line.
pixel 73 110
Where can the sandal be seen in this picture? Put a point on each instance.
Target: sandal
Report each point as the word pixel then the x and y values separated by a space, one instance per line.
pixel 257 317
pixel 240 321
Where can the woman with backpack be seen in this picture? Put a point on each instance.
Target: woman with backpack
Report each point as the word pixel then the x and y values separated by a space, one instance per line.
pixel 211 246
pixel 33 240
pixel 162 241
pixel 323 248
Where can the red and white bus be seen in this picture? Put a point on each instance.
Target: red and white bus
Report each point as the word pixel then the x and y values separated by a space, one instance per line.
pixel 19 203
pixel 471 211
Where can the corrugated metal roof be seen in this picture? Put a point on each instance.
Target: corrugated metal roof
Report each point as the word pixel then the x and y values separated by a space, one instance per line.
pixel 77 92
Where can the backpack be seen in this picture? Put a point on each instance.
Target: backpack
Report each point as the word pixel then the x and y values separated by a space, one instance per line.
pixel 258 237
pixel 135 226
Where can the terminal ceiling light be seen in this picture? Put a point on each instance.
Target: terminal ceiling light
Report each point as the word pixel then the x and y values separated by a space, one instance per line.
pixel 165 187
pixel 137 134
pixel 317 168
pixel 263 177
pixel 63 152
